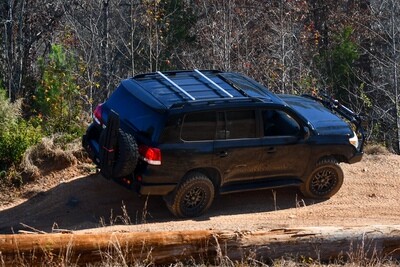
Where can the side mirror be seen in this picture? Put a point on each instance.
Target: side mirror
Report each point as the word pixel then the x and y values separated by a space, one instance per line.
pixel 306 133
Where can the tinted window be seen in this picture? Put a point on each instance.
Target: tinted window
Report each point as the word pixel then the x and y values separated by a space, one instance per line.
pixel 171 130
pixel 199 126
pixel 277 123
pixel 237 124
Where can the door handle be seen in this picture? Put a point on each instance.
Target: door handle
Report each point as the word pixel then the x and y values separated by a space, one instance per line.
pixel 222 154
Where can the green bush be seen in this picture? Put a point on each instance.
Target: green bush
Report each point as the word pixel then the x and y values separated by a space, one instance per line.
pixel 57 99
pixel 9 112
pixel 15 140
pixel 16 135
pixel 338 65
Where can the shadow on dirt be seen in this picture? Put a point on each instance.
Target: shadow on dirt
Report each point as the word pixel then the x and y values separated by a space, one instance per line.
pixel 93 201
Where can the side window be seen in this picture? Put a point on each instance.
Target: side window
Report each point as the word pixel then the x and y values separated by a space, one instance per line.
pixel 199 126
pixel 171 131
pixel 279 123
pixel 236 124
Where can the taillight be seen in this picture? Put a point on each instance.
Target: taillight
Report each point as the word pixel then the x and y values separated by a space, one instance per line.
pixel 97 115
pixel 151 155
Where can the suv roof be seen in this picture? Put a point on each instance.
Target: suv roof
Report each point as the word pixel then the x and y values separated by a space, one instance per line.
pixel 177 88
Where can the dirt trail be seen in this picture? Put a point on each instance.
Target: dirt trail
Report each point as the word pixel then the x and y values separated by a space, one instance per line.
pixel 370 195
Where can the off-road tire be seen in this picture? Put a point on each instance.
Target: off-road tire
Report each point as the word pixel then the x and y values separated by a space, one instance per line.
pixel 192 197
pixel 126 156
pixel 324 181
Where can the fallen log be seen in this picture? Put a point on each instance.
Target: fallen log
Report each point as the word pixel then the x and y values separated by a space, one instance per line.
pixel 319 243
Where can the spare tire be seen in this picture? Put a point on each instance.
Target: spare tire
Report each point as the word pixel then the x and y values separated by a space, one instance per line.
pixel 126 154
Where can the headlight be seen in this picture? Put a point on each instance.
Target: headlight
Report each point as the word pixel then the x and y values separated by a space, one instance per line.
pixel 354 140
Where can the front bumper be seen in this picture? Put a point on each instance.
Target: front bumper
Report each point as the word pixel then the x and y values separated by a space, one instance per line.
pixel 356 158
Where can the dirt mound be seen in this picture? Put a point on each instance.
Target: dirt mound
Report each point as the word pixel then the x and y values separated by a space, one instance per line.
pixel 370 195
pixel 44 166
pixel 48 156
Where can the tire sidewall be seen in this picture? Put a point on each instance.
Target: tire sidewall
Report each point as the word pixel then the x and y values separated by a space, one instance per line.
pixel 192 183
pixel 324 165
pixel 126 155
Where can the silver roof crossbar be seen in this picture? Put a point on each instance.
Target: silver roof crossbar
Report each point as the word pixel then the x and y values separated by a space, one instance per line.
pixel 212 82
pixel 175 85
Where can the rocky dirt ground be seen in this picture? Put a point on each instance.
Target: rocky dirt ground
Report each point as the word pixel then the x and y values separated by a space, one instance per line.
pixel 69 200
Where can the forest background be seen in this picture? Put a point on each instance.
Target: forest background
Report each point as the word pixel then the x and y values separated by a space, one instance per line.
pixel 59 59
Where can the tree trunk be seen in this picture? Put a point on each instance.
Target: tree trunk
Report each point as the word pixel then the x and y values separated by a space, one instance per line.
pixel 320 243
pixel 9 47
pixel 105 64
pixel 395 75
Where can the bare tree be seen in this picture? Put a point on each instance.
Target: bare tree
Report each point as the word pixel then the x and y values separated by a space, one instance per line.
pixel 260 38
pixel 385 32
pixel 27 25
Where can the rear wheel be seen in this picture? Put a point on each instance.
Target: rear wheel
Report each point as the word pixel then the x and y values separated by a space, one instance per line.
pixel 193 196
pixel 324 181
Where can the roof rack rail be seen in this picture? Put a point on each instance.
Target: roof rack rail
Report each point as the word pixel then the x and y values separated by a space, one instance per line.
pixel 214 100
pixel 171 72
pixel 175 85
pixel 213 83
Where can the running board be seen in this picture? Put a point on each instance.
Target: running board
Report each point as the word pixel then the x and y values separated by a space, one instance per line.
pixel 259 185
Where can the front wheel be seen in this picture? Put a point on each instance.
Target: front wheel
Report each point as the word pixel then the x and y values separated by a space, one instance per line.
pixel 193 196
pixel 324 181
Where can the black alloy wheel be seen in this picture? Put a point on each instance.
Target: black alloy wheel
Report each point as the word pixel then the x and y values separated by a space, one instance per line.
pixel 192 197
pixel 324 181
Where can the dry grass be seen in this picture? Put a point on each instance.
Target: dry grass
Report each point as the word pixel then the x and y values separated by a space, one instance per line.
pixel 49 155
pixel 376 149
pixel 118 255
pixel 124 218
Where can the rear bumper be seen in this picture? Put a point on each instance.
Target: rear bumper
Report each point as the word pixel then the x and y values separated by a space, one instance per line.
pixel 153 180
pixel 90 142
pixel 156 189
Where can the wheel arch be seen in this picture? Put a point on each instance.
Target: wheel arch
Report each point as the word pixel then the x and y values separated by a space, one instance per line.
pixel 212 173
pixel 337 157
pixel 336 180
pixel 340 158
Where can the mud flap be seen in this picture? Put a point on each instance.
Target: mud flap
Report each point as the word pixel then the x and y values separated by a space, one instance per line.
pixel 109 145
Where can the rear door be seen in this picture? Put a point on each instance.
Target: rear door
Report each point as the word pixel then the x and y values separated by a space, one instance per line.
pixel 187 143
pixel 237 147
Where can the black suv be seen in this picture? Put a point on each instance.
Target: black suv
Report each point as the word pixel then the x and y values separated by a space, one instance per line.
pixel 188 135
